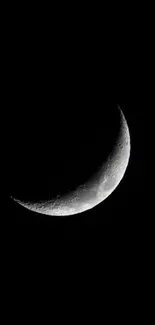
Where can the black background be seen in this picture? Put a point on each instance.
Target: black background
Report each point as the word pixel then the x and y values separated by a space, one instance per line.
pixel 56 93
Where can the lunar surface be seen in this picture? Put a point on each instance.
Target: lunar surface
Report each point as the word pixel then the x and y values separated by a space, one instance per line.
pixel 97 188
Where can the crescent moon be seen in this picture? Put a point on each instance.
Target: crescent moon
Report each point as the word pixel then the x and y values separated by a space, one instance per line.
pixel 96 189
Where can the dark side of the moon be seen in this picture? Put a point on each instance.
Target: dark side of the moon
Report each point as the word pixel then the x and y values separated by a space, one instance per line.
pixel 58 143
pixel 53 150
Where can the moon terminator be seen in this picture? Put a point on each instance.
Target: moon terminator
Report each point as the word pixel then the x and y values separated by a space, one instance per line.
pixel 97 188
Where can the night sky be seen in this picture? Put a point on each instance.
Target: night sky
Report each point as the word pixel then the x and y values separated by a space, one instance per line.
pixel 57 113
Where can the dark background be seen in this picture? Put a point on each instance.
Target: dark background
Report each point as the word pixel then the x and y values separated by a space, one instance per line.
pixel 58 95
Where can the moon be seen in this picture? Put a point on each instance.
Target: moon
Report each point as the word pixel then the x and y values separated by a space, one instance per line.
pixel 97 188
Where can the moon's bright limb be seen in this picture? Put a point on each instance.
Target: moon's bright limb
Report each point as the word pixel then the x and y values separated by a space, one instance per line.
pixel 98 188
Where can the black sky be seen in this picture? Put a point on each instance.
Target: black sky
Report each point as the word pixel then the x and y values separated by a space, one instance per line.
pixel 52 105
